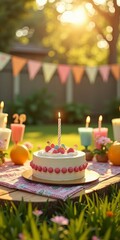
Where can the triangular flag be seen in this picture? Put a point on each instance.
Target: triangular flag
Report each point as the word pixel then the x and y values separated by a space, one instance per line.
pixel 33 68
pixel 104 71
pixel 63 71
pixel 78 73
pixel 48 70
pixel 4 59
pixel 92 73
pixel 18 63
pixel 115 69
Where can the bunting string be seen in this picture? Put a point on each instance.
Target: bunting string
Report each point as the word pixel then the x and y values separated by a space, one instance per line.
pixel 63 70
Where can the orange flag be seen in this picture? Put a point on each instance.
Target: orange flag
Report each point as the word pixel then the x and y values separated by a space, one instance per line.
pixel 18 64
pixel 78 73
pixel 115 69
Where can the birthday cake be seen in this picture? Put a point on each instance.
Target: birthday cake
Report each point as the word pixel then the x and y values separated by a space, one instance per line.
pixel 58 163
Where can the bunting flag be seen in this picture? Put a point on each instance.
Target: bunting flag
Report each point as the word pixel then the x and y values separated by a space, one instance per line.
pixel 115 69
pixel 18 64
pixel 92 73
pixel 104 71
pixel 78 73
pixel 63 71
pixel 48 70
pixel 33 68
pixel 4 59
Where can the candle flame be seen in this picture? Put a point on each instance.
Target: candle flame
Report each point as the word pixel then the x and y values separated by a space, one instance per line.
pixel 2 105
pixel 87 121
pixel 100 118
pixel 59 115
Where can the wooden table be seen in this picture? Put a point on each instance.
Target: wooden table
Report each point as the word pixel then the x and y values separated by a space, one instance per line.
pixel 7 194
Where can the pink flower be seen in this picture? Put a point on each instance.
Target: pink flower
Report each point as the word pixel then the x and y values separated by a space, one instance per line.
pixel 28 145
pixel 103 140
pixel 37 212
pixel 95 238
pixel 60 220
pixel 21 236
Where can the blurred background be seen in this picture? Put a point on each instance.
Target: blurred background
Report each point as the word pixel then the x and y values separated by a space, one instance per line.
pixel 60 55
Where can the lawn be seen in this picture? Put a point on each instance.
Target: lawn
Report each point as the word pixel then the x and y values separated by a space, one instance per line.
pixel 40 134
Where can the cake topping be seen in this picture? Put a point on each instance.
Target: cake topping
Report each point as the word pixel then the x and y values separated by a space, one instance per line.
pixel 70 150
pixel 56 149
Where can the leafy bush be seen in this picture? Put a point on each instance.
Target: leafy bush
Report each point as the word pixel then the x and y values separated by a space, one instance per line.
pixel 92 218
pixel 38 107
pixel 75 112
pixel 112 109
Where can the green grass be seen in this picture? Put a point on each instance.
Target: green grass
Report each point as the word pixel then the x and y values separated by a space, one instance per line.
pixel 93 218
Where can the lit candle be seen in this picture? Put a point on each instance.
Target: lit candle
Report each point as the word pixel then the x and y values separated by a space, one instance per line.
pixel 100 122
pixel 1 106
pixel 5 134
pixel 59 129
pixel 3 116
pixel 100 131
pixel 18 127
pixel 116 129
pixel 87 121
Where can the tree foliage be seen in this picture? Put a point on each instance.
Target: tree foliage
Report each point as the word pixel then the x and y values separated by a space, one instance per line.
pixel 11 14
pixel 81 44
pixel 94 42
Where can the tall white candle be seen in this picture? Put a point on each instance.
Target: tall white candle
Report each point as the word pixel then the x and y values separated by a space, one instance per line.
pixel 59 129
pixel 100 122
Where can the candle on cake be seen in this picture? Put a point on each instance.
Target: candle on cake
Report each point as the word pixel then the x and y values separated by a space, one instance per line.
pixel 59 129
pixel 99 131
pixel 3 116
pixel 86 134
pixel 18 127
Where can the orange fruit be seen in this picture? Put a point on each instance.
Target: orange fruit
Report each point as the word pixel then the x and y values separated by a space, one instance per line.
pixel 114 153
pixel 19 154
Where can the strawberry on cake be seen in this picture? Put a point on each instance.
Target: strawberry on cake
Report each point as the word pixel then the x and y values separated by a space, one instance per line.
pixel 58 163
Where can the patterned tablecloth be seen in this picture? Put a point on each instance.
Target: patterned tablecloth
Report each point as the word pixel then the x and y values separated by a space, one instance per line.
pixel 11 176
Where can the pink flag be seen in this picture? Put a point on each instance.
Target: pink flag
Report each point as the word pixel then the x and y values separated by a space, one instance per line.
pixel 33 68
pixel 104 71
pixel 63 71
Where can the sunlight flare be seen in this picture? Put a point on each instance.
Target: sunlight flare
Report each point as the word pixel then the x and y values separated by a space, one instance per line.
pixel 77 16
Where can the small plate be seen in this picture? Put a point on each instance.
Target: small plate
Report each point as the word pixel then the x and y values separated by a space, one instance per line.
pixel 90 176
